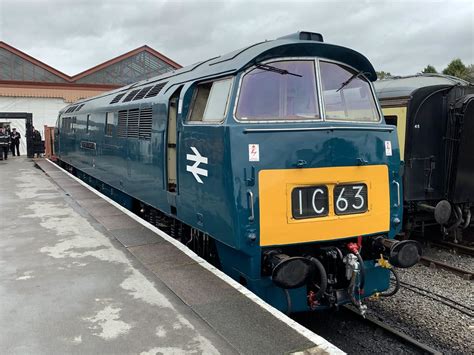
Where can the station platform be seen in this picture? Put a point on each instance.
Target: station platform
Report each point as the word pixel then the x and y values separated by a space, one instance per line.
pixel 81 275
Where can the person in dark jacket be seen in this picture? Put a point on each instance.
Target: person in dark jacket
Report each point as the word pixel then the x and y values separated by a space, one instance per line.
pixel 15 142
pixel 37 143
pixel 4 144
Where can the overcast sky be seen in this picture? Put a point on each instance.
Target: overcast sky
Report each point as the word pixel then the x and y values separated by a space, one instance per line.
pixel 400 37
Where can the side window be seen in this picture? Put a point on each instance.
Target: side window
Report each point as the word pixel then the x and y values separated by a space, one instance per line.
pixel 68 124
pixel 109 124
pixel 211 101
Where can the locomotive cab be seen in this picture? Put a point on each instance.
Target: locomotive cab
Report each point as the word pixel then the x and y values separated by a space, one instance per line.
pixel 312 169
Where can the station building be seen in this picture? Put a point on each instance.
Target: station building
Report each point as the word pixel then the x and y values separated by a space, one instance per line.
pixel 38 90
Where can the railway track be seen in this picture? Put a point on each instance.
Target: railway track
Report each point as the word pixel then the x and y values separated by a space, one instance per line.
pixel 439 298
pixel 458 248
pixel 404 338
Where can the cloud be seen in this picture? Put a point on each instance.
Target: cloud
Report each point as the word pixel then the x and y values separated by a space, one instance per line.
pixel 400 37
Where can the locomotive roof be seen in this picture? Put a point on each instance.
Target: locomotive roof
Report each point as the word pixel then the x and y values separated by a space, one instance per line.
pixel 233 62
pixel 405 86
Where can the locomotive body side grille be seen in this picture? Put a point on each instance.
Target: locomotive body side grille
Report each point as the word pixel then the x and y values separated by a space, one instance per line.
pixel 122 124
pixel 132 123
pixel 145 124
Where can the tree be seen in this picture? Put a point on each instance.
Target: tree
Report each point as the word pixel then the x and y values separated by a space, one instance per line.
pixel 470 73
pixel 430 69
pixel 383 75
pixel 456 68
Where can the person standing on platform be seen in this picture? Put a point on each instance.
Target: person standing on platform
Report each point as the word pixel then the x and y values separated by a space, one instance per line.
pixel 15 142
pixel 4 144
pixel 36 142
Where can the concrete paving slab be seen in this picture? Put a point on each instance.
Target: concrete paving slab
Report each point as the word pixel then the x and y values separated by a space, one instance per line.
pixel 92 202
pixel 237 332
pixel 191 284
pixel 117 222
pixel 80 193
pixel 163 254
pixel 64 182
pixel 103 211
pixel 137 236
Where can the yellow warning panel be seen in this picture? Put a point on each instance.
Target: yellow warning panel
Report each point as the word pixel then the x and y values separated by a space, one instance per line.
pixel 278 225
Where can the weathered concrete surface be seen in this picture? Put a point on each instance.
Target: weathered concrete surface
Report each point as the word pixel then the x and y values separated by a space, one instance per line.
pixel 82 276
pixel 67 287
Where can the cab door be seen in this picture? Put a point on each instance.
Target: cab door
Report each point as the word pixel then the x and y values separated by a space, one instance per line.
pixel 171 149
pixel 171 140
pixel 205 184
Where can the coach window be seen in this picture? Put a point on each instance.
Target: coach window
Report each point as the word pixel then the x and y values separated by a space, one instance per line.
pixel 279 91
pixel 210 101
pixel 391 120
pixel 109 124
pixel 347 94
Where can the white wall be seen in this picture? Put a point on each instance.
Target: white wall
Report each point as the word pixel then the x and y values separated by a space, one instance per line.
pixel 45 112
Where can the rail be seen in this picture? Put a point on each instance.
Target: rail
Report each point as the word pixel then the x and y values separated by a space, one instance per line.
pixel 459 248
pixel 465 274
pixel 401 336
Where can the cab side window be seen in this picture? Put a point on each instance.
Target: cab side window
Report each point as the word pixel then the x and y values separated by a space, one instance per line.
pixel 210 101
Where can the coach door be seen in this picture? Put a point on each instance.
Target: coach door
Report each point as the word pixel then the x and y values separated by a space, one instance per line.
pixel 171 141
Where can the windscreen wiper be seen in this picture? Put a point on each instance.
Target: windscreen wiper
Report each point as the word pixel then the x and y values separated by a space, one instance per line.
pixel 345 83
pixel 276 70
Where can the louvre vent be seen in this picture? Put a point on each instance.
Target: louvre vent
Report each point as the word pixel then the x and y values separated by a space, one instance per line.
pixel 122 124
pixel 130 95
pixel 141 94
pixel 79 107
pixel 145 124
pixel 117 98
pixel 132 123
pixel 71 109
pixel 156 90
pixel 135 123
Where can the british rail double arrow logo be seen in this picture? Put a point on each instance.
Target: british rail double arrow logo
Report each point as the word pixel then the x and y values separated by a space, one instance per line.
pixel 197 158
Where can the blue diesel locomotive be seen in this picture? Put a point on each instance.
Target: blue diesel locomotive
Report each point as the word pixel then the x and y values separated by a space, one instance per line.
pixel 273 162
